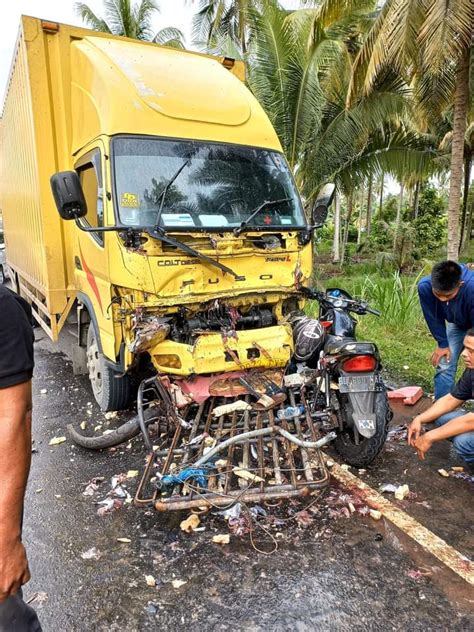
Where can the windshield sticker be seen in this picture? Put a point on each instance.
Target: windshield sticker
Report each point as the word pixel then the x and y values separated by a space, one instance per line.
pixel 130 200
pixel 180 219
pixel 286 220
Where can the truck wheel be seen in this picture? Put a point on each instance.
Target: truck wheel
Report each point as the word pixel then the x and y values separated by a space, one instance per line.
pixel 110 392
pixel 2 275
pixel 363 453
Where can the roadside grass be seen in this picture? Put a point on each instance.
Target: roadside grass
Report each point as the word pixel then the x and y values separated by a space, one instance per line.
pixel 400 333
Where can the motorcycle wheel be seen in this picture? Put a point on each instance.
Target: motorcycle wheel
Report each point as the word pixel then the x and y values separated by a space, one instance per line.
pixel 363 453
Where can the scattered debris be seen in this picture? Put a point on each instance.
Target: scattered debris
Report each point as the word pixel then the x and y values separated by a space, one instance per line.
pixel 375 514
pixel 402 492
pixel 388 488
pixel 150 580
pixel 190 524
pixel 329 462
pixel 225 409
pixel 177 583
pixel 222 538
pixel 398 433
pixel 57 440
pixel 92 486
pixel 132 473
pixel 83 425
pixel 417 574
pixel 124 540
pixel 246 475
pixel 303 518
pixel 91 554
pixel 43 391
pixel 457 468
pixel 345 467
pixel 443 472
pixel 38 491
pixel 38 599
pixel 111 414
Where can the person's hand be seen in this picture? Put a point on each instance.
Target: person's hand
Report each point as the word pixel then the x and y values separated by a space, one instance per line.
pixel 422 445
pixel 14 571
pixel 414 431
pixel 439 353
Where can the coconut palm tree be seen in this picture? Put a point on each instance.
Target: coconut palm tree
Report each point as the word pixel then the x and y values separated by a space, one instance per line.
pixel 123 17
pixel 430 45
pixel 220 23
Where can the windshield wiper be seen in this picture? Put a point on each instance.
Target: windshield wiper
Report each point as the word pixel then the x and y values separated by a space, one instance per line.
pixel 255 212
pixel 161 197
pixel 159 233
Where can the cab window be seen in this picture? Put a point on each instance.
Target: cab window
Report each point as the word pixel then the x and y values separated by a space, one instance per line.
pixel 90 174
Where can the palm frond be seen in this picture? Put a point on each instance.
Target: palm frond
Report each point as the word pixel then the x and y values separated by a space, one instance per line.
pixel 83 11
pixel 170 36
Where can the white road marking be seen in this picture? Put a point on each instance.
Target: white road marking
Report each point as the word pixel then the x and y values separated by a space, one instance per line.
pixel 423 536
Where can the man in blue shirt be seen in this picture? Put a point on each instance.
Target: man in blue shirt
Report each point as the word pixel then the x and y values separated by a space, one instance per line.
pixel 447 301
pixel 451 421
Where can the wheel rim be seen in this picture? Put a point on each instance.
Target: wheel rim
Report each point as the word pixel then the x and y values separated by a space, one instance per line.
pixel 94 365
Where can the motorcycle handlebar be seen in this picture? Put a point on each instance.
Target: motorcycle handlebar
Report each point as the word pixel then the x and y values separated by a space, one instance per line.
pixel 356 306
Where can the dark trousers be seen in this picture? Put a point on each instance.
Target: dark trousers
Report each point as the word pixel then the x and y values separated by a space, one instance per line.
pixel 17 616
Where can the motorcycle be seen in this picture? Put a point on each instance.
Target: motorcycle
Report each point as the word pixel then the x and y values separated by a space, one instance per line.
pixel 351 397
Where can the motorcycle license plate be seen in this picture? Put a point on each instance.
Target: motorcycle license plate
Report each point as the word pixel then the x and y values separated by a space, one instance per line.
pixel 359 383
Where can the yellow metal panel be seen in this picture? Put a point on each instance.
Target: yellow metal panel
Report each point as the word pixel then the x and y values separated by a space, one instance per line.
pixel 210 352
pixel 33 231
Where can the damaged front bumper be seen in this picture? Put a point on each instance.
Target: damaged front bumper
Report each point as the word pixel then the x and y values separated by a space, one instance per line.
pixel 214 352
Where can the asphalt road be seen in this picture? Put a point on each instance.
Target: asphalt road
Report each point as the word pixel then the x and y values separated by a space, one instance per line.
pixel 333 570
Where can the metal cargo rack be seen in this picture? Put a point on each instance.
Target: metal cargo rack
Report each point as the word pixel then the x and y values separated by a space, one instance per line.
pixel 277 457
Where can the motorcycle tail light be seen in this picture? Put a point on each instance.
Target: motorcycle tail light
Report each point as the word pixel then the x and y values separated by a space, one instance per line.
pixel 326 323
pixel 359 363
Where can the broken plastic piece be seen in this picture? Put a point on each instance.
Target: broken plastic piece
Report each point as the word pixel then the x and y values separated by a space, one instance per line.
pixel 191 523
pixel 402 492
pixel 225 409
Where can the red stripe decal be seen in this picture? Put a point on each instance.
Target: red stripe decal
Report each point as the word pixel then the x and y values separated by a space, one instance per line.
pixel 91 279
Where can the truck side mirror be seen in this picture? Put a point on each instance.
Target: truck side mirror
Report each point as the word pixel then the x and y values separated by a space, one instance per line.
pixel 68 194
pixel 322 204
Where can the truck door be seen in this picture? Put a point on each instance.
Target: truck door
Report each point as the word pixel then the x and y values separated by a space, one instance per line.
pixel 90 256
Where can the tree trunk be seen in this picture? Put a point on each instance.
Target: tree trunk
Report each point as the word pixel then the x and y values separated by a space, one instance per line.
pixel 465 197
pixel 336 253
pixel 359 230
pixel 381 196
pixel 399 215
pixel 369 208
pixel 416 200
pixel 350 208
pixel 457 154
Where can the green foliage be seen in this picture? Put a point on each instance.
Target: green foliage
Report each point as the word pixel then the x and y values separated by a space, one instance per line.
pixel 431 224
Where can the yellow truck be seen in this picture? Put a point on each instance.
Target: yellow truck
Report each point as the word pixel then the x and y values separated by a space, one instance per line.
pixel 171 141
pixel 185 254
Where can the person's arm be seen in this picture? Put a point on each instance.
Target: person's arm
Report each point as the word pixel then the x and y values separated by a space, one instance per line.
pixel 16 370
pixel 442 406
pixel 435 320
pixel 15 457
pixel 450 429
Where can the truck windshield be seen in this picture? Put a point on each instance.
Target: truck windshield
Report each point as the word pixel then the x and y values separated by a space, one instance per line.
pixel 217 186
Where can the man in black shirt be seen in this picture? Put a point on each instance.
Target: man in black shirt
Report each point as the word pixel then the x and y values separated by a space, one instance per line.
pixel 16 370
pixel 451 421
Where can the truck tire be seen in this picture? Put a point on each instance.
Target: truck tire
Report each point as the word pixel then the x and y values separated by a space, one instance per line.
pixel 367 450
pixel 2 275
pixel 110 391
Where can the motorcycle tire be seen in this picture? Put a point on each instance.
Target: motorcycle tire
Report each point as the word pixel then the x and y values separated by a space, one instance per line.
pixel 364 453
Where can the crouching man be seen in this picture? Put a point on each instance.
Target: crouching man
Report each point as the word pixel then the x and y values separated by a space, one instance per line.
pixel 451 421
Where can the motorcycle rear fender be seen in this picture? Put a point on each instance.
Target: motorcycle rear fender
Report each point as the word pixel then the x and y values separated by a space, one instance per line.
pixel 347 348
